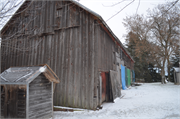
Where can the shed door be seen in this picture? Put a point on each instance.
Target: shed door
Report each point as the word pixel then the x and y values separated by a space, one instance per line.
pixel 13 101
pixel 2 101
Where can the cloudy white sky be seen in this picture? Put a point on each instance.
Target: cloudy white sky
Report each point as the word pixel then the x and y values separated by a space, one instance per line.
pixel 104 9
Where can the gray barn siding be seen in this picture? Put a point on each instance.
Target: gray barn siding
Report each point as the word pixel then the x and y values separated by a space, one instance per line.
pixel 69 50
pixel 106 53
pixel 106 50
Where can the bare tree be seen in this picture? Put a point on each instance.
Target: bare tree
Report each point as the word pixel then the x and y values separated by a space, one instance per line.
pixel 7 8
pixel 139 26
pixel 158 34
pixel 165 33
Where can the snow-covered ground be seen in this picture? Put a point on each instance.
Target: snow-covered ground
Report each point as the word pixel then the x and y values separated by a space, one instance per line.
pixel 148 101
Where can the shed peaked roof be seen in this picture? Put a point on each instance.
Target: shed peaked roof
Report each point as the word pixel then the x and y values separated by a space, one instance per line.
pixel 24 75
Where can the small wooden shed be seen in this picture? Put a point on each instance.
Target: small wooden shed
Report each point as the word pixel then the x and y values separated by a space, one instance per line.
pixel 27 92
pixel 177 76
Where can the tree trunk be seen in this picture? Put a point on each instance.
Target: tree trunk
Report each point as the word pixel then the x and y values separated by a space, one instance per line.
pixel 163 76
pixel 168 69
pixel 163 73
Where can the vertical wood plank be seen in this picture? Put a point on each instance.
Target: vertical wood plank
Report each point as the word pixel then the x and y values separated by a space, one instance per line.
pixel 86 61
pixel 59 68
pixel 83 62
pixel 62 98
pixel 76 67
pixel 73 64
pixel 80 46
pixel 95 44
pixel 35 50
pixel 23 52
pixel 8 56
pixel 29 57
pixel 52 52
pixel 66 66
pixel 92 63
pixel 70 69
pixel 56 62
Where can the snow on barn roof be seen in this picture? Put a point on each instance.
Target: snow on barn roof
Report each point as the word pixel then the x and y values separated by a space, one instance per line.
pixel 24 75
pixel 177 69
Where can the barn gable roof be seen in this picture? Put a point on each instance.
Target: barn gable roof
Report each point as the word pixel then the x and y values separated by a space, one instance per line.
pixel 102 22
pixel 24 75
pixel 106 27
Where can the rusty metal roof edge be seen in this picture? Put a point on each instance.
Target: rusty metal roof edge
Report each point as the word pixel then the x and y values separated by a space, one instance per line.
pixel 105 24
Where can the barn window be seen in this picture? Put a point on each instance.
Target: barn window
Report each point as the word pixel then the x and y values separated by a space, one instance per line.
pixel 59 11
pixel 74 16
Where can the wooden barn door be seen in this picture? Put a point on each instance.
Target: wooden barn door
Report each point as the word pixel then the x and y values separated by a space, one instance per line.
pixel 106 87
pixel 103 76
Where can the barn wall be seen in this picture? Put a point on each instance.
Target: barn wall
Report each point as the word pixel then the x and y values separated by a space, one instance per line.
pixel 65 39
pixel 40 98
pixel 106 52
pixel 70 41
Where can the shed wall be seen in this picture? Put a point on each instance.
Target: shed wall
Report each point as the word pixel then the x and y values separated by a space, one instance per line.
pixel 40 98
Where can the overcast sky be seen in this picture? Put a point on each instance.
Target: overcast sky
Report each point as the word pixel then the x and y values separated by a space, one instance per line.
pixel 104 9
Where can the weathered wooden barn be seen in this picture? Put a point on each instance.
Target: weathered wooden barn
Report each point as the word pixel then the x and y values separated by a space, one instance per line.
pixel 75 42
pixel 27 92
